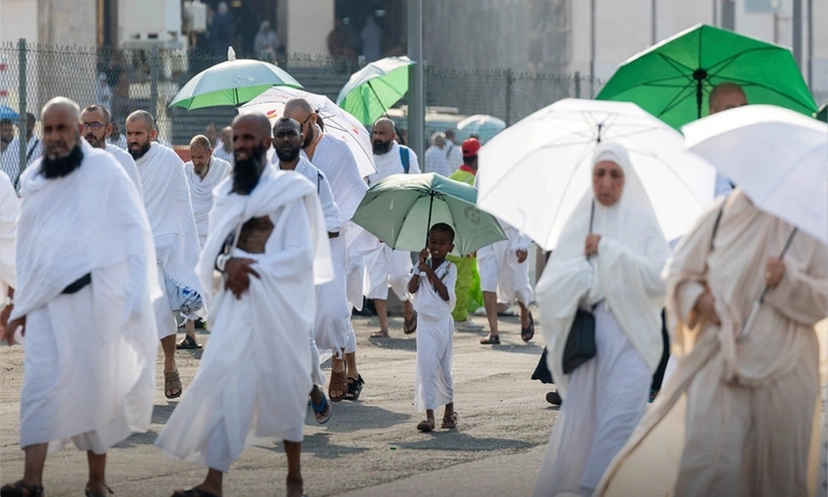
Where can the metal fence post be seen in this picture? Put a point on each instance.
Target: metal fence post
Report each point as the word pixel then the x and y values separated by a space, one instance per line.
pixel 154 69
pixel 21 106
pixel 509 80
pixel 577 84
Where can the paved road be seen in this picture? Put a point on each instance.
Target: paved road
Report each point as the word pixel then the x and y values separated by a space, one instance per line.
pixel 370 447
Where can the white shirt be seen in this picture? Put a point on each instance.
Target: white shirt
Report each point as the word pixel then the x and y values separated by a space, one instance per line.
pixel 436 161
pixel 390 163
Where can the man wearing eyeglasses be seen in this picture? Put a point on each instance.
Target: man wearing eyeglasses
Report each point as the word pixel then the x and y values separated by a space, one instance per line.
pixel 96 129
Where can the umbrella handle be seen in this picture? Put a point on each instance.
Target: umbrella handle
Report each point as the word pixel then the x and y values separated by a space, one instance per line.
pixel 428 225
pixel 758 304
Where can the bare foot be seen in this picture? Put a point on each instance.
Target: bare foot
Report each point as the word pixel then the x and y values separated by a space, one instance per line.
pixel 380 334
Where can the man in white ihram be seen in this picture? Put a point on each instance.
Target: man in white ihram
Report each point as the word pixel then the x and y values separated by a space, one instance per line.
pixel 97 126
pixel 267 237
pixel 170 211
pixel 204 173
pixel 85 283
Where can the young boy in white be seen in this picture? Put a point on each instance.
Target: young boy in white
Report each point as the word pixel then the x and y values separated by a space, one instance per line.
pixel 431 289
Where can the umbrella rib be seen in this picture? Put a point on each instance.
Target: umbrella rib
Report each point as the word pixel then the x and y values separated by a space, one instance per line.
pixel 677 99
pixel 676 65
pixel 729 60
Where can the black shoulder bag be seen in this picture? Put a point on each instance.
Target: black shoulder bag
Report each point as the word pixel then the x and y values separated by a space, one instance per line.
pixel 580 344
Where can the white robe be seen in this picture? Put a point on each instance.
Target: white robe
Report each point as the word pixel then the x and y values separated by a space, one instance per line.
pixel 334 158
pixel 436 161
pixel 500 271
pixel 332 329
pixel 201 191
pixel 624 277
pixel 385 266
pixel 253 382
pixel 90 356
pixel 128 163
pixel 9 210
pixel 170 211
pixel 221 154
pixel 390 163
pixel 434 386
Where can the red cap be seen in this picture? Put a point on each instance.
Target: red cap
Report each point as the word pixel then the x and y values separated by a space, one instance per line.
pixel 470 147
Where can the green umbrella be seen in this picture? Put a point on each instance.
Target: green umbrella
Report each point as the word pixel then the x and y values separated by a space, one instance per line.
pixel 822 113
pixel 372 90
pixel 673 79
pixel 233 82
pixel 400 209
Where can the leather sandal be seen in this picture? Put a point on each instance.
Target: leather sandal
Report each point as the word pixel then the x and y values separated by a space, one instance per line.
pixel 20 489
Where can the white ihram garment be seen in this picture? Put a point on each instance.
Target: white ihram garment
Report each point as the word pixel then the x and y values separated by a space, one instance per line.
pixel 435 328
pixel 334 158
pixel 128 163
pixel 500 271
pixel 201 191
pixel 9 210
pixel 255 375
pixel 90 356
pixel 170 211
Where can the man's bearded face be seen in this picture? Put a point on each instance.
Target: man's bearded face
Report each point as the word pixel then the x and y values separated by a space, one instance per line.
pixel 95 128
pixel 59 165
pixel 6 132
pixel 139 138
pixel 247 167
pixel 381 138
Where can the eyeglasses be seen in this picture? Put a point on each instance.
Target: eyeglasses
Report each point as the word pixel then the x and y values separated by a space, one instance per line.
pixel 94 126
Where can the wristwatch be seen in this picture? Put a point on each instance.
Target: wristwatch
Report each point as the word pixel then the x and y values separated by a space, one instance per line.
pixel 221 261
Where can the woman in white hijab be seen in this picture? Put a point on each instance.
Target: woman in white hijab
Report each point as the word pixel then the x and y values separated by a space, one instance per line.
pixel 613 270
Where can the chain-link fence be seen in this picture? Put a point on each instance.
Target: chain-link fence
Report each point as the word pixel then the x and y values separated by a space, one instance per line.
pixel 126 80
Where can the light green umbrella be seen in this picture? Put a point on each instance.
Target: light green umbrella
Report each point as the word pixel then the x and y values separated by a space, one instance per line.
pixel 233 82
pixel 375 88
pixel 673 79
pixel 400 209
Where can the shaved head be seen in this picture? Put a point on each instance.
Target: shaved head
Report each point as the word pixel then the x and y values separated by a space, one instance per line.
pixel 259 122
pixel 62 104
pixel 385 123
pixel 382 135
pixel 202 141
pixel 298 104
pixel 726 96
pixel 142 116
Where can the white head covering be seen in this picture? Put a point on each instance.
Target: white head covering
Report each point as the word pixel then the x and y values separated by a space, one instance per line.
pixel 625 273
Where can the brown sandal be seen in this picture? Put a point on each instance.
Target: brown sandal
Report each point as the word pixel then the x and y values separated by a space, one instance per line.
pixel 172 382
pixel 20 489
pixel 339 383
pixel 193 492
pixel 410 325
pixel 449 422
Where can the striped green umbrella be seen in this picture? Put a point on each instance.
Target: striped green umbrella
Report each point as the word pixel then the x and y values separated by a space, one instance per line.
pixel 673 79
pixel 233 82
pixel 375 88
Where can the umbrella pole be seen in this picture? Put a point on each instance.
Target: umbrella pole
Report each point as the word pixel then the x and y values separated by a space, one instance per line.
pixel 699 75
pixel 385 111
pixel 758 304
pixel 428 226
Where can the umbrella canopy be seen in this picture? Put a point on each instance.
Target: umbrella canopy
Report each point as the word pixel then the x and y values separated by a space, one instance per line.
pixel 779 158
pixel 233 82
pixel 822 113
pixel 7 112
pixel 400 209
pixel 532 174
pixel 375 88
pixel 672 80
pixel 337 122
pixel 482 125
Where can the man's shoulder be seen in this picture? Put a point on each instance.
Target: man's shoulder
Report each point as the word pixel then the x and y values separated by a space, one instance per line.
pixel 334 142
pixel 166 153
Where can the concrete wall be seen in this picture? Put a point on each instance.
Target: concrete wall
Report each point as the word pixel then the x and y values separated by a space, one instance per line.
pixel 554 35
pixel 306 24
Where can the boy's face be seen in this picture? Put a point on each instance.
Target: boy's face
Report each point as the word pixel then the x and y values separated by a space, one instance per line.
pixel 439 244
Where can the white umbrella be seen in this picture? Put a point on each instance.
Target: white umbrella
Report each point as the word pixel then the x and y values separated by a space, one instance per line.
pixel 778 158
pixel 336 121
pixel 482 125
pixel 533 174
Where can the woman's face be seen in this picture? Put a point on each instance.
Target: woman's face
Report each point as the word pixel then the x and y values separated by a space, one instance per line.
pixel 607 182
